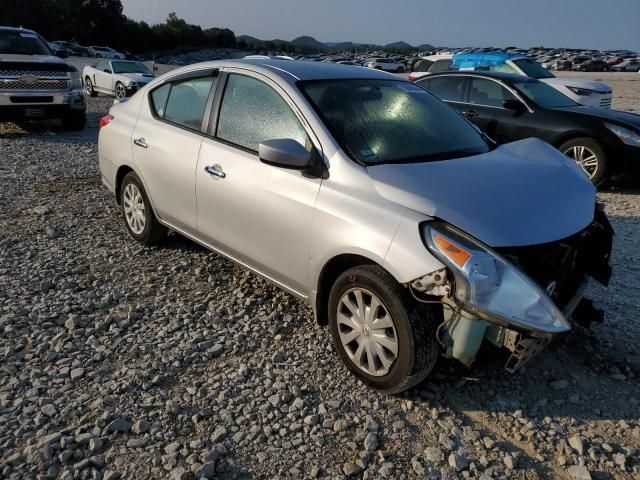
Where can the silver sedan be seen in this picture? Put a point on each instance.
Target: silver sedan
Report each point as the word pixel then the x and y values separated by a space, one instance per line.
pixel 408 232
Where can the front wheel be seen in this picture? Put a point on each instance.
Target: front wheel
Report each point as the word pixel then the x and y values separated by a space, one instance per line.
pixel 120 90
pixel 384 337
pixel 88 86
pixel 137 212
pixel 589 155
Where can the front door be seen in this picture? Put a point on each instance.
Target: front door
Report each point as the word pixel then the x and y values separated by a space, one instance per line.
pixel 259 214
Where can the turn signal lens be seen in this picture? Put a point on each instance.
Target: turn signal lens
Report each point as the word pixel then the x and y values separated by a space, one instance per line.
pixel 457 255
pixel 106 120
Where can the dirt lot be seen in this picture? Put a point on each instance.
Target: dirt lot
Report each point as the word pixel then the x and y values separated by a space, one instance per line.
pixel 119 361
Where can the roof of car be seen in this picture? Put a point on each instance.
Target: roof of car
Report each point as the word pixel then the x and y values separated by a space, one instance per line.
pixel 293 70
pixel 507 77
pixel 17 29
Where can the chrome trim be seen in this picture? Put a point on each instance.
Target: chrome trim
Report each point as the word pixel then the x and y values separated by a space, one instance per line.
pixel 215 170
pixel 140 142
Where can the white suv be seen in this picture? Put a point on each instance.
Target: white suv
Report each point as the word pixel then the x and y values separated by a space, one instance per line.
pixel 386 64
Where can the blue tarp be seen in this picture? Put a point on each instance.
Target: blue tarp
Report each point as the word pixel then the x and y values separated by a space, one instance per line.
pixel 482 60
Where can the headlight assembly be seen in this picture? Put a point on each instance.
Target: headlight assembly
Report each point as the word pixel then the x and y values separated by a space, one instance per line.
pixel 491 287
pixel 76 81
pixel 625 135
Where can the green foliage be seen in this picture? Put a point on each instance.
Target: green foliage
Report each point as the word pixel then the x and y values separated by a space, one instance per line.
pixel 101 22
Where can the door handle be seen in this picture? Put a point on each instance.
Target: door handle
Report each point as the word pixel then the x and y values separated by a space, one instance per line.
pixel 140 142
pixel 470 113
pixel 215 170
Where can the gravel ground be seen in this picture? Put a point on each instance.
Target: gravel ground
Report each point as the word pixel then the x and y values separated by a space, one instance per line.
pixel 126 362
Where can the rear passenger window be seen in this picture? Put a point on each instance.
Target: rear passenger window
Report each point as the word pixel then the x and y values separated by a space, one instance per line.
pixel 187 101
pixel 252 112
pixel 448 88
pixel 159 99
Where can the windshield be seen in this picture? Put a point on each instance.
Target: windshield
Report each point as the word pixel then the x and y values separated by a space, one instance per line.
pixel 532 69
pixel 129 67
pixel 22 43
pixel 390 121
pixel 544 95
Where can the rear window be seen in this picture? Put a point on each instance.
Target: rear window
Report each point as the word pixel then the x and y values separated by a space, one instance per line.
pixel 447 88
pixel 182 103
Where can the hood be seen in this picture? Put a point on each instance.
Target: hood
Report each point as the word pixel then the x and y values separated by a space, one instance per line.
pixel 138 77
pixel 34 62
pixel 522 193
pixel 607 114
pixel 578 83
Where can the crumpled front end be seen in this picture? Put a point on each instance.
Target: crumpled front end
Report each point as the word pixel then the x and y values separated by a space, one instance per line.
pixel 518 298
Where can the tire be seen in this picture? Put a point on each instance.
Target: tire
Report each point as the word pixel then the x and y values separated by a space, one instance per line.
pixel 74 120
pixel 595 168
pixel 98 55
pixel 413 330
pixel 88 86
pixel 136 208
pixel 120 91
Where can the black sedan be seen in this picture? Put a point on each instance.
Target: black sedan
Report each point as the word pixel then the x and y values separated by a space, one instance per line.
pixel 511 107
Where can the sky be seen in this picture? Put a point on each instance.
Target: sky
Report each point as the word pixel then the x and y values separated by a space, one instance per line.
pixel 590 24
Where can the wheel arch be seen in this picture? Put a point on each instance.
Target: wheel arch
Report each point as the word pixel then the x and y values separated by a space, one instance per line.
pixel 328 275
pixel 571 134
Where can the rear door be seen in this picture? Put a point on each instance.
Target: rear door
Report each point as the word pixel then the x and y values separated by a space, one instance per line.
pixel 256 213
pixel 166 144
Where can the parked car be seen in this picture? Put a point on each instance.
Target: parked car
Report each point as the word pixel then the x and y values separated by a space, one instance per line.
pixel 120 78
pixel 593 65
pixel 105 52
pixel 35 84
pixel 57 50
pixel 512 107
pixel 73 48
pixel 350 189
pixel 584 92
pixel 430 64
pixel 629 65
pixel 561 65
pixel 386 64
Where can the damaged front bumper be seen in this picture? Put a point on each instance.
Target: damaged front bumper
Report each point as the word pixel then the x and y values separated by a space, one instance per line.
pixel 561 269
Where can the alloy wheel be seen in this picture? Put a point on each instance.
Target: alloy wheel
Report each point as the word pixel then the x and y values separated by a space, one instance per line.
pixel 88 87
pixel 367 332
pixel 134 209
pixel 585 157
pixel 121 92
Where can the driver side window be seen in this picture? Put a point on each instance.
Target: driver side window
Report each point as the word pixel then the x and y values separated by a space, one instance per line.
pixel 488 93
pixel 252 112
pixel 104 67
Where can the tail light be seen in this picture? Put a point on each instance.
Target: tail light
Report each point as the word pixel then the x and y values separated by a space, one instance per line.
pixel 411 78
pixel 106 120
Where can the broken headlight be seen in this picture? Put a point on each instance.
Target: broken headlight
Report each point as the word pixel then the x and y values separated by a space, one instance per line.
pixel 491 287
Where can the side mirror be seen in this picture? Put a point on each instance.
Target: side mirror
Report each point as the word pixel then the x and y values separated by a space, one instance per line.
pixel 285 153
pixel 514 105
pixel 62 54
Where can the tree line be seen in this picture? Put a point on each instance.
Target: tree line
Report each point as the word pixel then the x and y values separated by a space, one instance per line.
pixel 101 22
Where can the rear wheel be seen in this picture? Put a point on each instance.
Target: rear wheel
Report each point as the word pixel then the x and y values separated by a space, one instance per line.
pixel 137 212
pixel 385 338
pixel 88 86
pixel 589 155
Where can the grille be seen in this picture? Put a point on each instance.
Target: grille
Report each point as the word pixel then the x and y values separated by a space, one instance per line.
pixel 606 102
pixel 31 73
pixel 40 84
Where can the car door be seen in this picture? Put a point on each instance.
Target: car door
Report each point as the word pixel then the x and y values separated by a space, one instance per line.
pixel 449 88
pixel 256 213
pixel 166 144
pixel 484 106
pixel 103 76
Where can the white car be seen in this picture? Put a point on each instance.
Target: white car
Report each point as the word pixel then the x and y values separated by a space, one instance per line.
pixel 430 64
pixel 386 64
pixel 105 52
pixel 120 78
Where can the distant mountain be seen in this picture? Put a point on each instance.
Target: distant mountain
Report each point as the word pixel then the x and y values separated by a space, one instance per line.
pixel 426 46
pixel 399 46
pixel 309 42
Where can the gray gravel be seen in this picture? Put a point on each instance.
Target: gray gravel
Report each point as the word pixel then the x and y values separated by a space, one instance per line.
pixel 119 361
